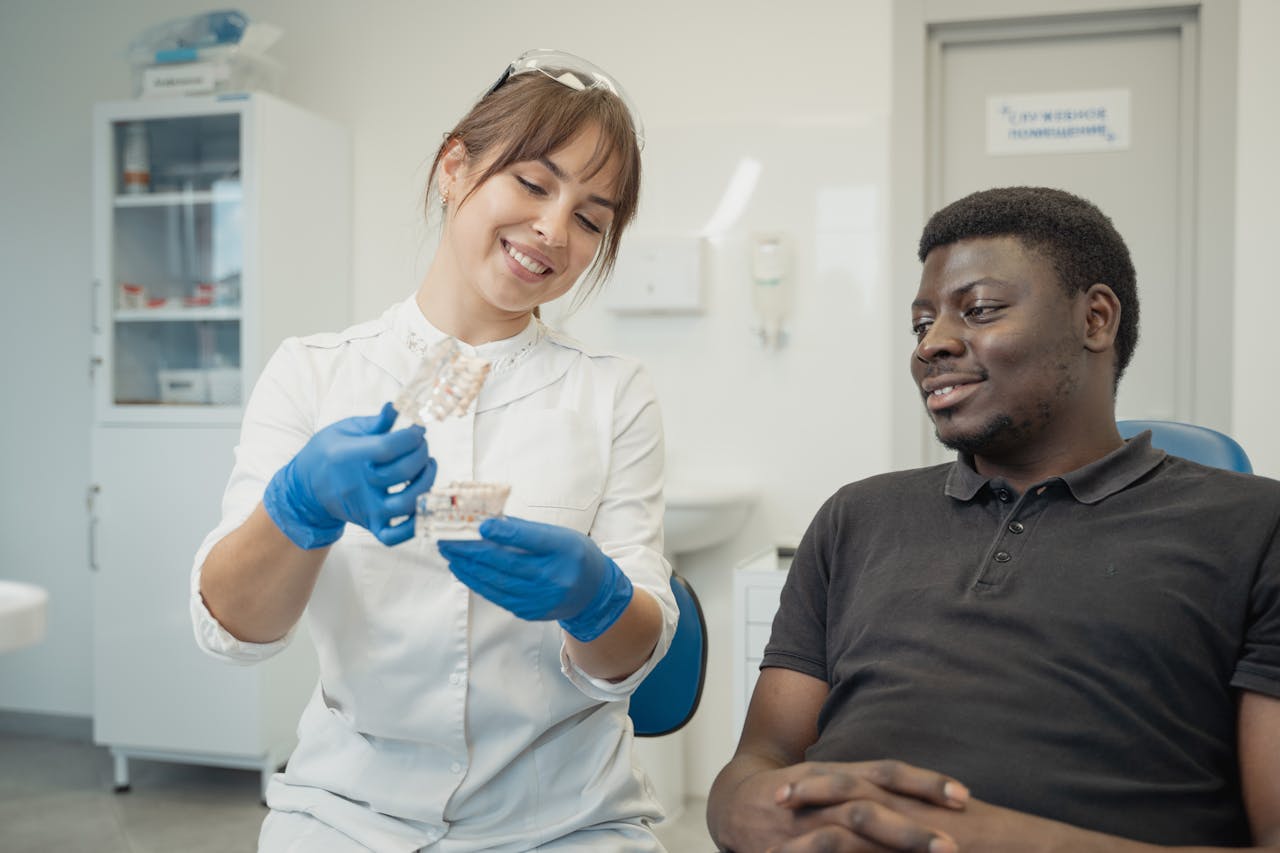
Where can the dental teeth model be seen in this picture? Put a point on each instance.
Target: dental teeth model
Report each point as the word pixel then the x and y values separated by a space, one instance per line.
pixel 446 382
pixel 455 510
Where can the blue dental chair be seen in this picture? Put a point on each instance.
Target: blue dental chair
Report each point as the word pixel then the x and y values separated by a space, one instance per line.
pixel 669 695
pixel 1199 444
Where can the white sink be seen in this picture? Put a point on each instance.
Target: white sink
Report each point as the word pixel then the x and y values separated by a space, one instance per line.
pixel 700 515
pixel 21 614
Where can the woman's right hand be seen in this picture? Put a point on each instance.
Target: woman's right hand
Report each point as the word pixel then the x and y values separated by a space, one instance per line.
pixel 343 474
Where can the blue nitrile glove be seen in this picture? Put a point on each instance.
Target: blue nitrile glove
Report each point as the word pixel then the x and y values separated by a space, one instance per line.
pixel 342 475
pixel 541 572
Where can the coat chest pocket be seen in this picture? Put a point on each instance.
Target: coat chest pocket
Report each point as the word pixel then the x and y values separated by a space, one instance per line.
pixel 552 459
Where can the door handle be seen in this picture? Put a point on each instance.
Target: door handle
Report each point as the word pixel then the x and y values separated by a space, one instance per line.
pixel 90 499
pixel 94 325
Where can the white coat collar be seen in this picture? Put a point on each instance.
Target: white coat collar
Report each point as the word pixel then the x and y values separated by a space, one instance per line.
pixel 523 363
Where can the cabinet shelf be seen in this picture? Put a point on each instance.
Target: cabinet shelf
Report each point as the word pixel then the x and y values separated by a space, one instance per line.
pixel 179 198
pixel 180 313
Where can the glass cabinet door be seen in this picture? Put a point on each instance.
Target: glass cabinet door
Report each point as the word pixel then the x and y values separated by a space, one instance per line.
pixel 176 258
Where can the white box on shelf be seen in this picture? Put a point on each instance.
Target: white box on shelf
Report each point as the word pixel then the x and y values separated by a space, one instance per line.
pixel 207 70
pixel 224 386
pixel 184 386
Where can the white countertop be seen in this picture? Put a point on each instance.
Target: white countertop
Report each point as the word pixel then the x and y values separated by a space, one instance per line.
pixel 22 608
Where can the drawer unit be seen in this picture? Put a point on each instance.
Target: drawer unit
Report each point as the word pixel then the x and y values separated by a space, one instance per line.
pixel 757 586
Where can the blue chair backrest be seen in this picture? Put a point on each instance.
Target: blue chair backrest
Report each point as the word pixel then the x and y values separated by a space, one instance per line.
pixel 669 695
pixel 1197 443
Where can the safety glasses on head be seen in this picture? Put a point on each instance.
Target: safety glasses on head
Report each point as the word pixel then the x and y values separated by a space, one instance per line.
pixel 572 71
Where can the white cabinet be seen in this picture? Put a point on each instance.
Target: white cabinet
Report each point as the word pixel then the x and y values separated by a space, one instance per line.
pixel 222 225
pixel 757 586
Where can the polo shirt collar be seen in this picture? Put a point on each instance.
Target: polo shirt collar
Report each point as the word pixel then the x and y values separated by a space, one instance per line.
pixel 1088 484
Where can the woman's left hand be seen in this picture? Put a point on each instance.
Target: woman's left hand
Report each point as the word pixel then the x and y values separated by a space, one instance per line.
pixel 541 572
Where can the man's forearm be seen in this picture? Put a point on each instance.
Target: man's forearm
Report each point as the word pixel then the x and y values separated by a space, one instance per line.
pixel 721 803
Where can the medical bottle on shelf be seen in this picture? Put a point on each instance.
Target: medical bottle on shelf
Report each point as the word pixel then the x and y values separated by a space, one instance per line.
pixel 137 160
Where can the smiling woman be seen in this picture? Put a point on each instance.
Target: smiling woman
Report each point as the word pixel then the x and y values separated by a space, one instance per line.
pixel 472 694
pixel 527 116
pixel 524 235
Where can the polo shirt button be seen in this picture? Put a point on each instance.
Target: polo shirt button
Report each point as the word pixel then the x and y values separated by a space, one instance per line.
pixel 455 767
pixel 455 679
pixel 1003 495
pixel 1016 527
pixel 1003 556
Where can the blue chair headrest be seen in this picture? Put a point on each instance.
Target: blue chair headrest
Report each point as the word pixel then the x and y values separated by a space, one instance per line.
pixel 1197 443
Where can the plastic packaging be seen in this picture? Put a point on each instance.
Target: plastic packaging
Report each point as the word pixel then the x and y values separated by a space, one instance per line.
pixel 210 52
pixel 161 42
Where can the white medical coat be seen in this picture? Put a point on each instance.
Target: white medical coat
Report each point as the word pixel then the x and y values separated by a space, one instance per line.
pixel 439 715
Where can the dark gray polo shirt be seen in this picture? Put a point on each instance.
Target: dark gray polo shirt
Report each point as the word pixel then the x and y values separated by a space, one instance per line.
pixel 1073 652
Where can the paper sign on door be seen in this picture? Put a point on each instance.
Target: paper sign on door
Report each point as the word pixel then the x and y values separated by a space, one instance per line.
pixel 1058 121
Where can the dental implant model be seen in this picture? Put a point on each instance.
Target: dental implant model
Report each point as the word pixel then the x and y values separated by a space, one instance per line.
pixel 444 385
pixel 455 510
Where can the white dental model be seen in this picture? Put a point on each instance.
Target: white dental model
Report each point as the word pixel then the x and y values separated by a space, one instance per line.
pixel 444 385
pixel 455 510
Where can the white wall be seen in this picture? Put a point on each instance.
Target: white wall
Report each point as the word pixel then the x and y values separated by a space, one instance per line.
pixel 802 88
pixel 1256 404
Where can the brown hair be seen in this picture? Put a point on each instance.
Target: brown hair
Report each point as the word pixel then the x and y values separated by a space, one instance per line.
pixel 530 116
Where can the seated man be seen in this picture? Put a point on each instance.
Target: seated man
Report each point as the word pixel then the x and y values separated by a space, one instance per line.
pixel 1083 633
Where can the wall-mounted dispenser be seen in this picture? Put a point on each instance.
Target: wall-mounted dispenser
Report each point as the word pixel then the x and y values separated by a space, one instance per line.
pixel 771 275
pixel 659 274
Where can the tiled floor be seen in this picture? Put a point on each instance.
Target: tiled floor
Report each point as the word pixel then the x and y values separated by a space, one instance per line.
pixel 55 795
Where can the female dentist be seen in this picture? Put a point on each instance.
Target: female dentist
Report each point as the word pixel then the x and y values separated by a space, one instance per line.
pixel 470 698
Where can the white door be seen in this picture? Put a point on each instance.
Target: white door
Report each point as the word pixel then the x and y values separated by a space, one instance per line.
pixel 1142 185
pixel 155 691
pixel 153 687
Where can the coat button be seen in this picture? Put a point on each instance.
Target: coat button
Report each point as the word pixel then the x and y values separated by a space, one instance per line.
pixel 1003 495
pixel 1016 527
pixel 1003 556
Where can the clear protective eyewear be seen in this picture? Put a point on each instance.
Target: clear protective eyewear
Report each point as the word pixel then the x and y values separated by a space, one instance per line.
pixel 574 72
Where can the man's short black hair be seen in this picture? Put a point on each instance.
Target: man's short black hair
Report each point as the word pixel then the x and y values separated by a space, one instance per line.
pixel 1076 237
